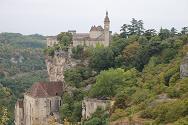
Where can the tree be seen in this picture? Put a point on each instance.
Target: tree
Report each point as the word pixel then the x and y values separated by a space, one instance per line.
pixel 78 52
pixel 164 34
pixel 184 30
pixel 107 82
pixel 64 38
pixel 110 82
pixel 124 31
pixel 101 59
pixel 150 33
pixel 135 28
pixel 130 53
pixel 173 32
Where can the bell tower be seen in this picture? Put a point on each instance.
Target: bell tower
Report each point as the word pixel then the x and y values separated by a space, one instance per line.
pixel 106 29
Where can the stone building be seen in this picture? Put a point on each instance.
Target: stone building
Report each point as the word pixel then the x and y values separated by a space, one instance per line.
pixel 97 35
pixel 40 102
pixel 90 105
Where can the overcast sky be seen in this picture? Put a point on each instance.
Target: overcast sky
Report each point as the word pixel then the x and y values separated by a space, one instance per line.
pixel 49 17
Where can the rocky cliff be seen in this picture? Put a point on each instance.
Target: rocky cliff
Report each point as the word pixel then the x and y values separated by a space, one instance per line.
pixel 184 67
pixel 57 64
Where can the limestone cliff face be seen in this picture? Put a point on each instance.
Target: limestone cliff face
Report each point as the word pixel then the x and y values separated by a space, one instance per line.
pixel 58 64
pixel 184 67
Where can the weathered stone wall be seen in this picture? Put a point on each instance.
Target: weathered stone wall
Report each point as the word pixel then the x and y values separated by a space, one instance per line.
pixel 89 43
pixel 89 106
pixel 38 110
pixel 95 34
pixel 51 41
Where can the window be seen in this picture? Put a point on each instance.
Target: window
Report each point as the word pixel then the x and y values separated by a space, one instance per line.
pixel 50 105
pixel 59 102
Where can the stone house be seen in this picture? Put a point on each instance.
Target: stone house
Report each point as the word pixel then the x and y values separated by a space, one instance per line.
pixel 97 35
pixel 40 102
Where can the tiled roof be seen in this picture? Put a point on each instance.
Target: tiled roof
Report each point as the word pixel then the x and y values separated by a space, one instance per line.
pixel 43 89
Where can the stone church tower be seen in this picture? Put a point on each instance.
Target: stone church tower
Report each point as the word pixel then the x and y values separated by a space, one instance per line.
pixel 106 29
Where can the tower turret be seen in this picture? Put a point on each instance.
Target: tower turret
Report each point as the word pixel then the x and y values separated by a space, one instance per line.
pixel 107 29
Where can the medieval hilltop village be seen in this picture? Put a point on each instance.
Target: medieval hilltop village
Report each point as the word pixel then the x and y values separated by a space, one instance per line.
pixel 43 100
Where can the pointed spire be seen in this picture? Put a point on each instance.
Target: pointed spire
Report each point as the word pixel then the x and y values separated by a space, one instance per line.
pixel 106 17
pixel 106 13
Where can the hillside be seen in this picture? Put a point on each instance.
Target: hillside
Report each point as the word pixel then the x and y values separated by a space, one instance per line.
pixel 21 64
pixel 139 71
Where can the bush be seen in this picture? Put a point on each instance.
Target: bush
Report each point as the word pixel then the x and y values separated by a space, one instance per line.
pixel 167 112
pixel 118 113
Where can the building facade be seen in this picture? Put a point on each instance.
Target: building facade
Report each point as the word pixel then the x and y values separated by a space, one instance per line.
pixel 40 102
pixel 97 35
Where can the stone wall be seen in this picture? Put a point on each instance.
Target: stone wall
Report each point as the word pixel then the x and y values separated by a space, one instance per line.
pixel 89 106
pixel 51 41
pixel 89 43
pixel 38 110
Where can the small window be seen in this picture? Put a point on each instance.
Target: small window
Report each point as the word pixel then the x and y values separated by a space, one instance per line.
pixel 59 102
pixel 50 105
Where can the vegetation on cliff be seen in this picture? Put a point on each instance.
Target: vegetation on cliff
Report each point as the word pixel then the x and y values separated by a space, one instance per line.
pixel 21 64
pixel 140 72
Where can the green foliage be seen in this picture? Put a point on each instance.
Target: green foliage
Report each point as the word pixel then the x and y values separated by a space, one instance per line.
pixel 101 59
pixel 76 76
pixel 164 34
pixel 78 52
pixel 141 95
pixel 3 116
pixel 99 117
pixel 167 112
pixel 72 106
pixel 182 121
pixel 135 28
pixel 118 113
pixel 21 64
pixel 121 100
pixel 109 82
pixel 64 38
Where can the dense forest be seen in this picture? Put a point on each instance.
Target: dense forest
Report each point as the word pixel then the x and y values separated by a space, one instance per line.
pixel 139 71
pixel 21 64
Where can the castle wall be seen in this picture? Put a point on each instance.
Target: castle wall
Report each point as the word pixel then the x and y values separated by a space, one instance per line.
pixel 89 43
pixel 38 110
pixel 95 34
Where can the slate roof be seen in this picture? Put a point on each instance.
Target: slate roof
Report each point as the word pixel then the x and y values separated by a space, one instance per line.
pixel 46 89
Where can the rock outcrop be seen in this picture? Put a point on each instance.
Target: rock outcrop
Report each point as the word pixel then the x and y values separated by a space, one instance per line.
pixel 184 67
pixel 60 62
pixel 56 65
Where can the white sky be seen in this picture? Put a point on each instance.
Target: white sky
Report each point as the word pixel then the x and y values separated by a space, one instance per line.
pixel 49 17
